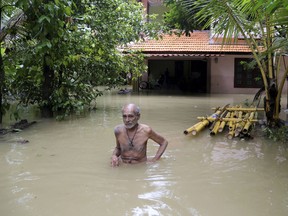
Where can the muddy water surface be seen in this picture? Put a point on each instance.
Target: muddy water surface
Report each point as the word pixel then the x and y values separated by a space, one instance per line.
pixel 64 169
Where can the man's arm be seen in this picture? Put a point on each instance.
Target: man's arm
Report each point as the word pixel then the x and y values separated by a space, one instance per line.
pixel 117 151
pixel 163 143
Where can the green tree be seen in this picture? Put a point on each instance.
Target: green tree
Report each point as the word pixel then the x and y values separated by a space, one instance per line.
pixel 179 18
pixel 71 47
pixel 10 27
pixel 263 25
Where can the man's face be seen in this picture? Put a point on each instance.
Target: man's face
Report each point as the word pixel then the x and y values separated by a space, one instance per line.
pixel 130 119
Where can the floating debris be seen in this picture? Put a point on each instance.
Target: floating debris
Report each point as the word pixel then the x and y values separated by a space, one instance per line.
pixel 238 120
pixel 17 127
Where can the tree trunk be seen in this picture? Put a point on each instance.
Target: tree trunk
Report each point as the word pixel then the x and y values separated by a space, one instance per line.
pixel 271 106
pixel 2 77
pixel 47 90
pixel 1 73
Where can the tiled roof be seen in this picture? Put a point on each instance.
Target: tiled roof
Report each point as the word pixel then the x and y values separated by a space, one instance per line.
pixel 199 42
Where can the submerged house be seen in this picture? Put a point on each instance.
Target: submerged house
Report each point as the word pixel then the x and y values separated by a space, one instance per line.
pixel 199 63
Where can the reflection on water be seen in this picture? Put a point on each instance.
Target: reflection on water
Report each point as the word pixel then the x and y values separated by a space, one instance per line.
pixel 64 169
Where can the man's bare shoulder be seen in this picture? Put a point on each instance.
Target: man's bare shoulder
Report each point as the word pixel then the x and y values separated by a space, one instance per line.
pixel 145 128
pixel 118 129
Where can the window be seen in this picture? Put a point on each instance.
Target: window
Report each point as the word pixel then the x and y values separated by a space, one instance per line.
pixel 244 77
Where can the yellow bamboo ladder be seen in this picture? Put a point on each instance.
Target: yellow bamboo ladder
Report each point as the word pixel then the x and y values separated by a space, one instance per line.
pixel 205 121
pixel 197 127
pixel 230 116
pixel 231 132
pixel 240 125
pixel 223 123
pixel 214 129
pixel 247 127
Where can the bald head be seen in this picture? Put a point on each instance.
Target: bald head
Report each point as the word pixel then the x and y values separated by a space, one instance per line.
pixel 132 108
pixel 130 115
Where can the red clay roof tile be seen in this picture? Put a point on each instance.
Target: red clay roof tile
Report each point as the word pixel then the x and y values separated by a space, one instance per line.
pixel 197 42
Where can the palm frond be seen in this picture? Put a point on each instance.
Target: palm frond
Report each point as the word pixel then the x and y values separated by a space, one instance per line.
pixel 12 27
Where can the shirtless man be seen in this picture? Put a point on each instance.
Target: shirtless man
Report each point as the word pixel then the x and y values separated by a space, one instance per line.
pixel 132 138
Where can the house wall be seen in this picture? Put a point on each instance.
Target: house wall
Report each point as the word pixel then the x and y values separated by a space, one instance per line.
pixel 222 76
pixel 220 73
pixel 283 66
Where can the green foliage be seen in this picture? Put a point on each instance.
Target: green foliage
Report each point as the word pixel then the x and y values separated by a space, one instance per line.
pixel 69 48
pixel 178 17
pixel 262 24
pixel 277 134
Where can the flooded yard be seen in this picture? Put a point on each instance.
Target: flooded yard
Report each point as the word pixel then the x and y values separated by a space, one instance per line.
pixel 65 169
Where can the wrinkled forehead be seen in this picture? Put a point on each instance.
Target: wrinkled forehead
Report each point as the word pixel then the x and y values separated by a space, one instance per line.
pixel 130 110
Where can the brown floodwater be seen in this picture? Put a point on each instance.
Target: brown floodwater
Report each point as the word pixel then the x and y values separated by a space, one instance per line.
pixel 65 169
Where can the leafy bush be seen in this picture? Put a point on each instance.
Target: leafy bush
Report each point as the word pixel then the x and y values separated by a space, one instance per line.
pixel 277 134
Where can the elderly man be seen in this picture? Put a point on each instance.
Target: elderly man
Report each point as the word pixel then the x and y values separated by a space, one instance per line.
pixel 132 138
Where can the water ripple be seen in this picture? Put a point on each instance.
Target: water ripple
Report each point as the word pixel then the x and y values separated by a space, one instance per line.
pixel 14 157
pixel 23 200
pixel 25 176
pixel 222 152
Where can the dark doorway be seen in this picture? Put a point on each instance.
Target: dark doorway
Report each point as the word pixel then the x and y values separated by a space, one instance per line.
pixel 179 72
pixel 191 76
pixel 199 76
pixel 184 75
